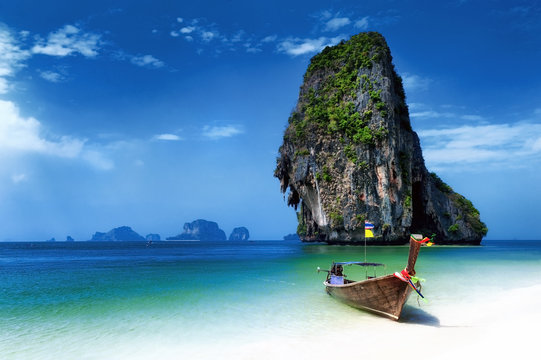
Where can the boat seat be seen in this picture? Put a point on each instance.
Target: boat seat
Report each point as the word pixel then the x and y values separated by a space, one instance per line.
pixel 337 280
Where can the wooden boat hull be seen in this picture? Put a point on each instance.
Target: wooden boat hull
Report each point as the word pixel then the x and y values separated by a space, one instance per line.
pixel 384 295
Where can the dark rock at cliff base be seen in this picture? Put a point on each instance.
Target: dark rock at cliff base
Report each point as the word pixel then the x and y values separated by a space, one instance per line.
pixel 70 239
pixel 201 230
pixel 123 233
pixel 349 154
pixel 153 237
pixel 292 237
pixel 239 234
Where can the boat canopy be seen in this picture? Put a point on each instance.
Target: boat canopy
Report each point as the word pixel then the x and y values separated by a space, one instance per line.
pixel 358 263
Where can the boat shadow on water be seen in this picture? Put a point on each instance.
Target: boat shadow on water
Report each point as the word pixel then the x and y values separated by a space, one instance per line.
pixel 415 315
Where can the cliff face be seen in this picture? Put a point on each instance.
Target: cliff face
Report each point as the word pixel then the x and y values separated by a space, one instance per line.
pixel 349 154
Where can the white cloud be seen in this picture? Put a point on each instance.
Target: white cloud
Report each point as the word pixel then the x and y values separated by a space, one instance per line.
pixel 270 38
pixel 179 19
pixel 98 160
pixel 336 23
pixel 19 135
pixel 12 57
pixel 68 40
pixel 536 145
pixel 362 23
pixel 174 33
pixel 18 178
pixel 432 114
pixel 485 145
pixel 253 49
pixel 51 76
pixel 218 132
pixel 24 135
pixel 422 111
pixel 325 14
pixel 296 46
pixel 167 137
pixel 3 86
pixel 208 35
pixel 238 36
pixel 472 117
pixel 147 61
pixel 187 29
pixel 415 82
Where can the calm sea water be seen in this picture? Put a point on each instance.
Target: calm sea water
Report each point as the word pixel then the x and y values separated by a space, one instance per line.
pixel 126 300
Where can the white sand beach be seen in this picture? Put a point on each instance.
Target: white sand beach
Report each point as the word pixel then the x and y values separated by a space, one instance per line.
pixel 499 326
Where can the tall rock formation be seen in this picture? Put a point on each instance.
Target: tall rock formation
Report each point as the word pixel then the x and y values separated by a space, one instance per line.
pixel 349 154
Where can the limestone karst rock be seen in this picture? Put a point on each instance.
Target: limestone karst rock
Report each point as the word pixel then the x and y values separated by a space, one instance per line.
pixel 349 154
pixel 201 230
pixel 239 234
pixel 123 233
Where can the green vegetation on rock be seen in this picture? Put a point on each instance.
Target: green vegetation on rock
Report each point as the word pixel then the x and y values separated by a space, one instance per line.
pixel 443 187
pixel 329 105
pixel 472 216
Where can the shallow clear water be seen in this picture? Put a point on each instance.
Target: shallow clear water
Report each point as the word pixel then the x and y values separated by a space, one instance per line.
pixel 110 300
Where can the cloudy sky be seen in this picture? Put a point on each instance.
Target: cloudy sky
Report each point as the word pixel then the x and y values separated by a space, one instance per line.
pixel 154 113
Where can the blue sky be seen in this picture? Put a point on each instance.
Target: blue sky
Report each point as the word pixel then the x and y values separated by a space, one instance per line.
pixel 154 113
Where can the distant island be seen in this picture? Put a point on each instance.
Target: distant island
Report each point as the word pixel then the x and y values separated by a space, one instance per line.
pixel 153 237
pixel 239 234
pixel 123 233
pixel 292 237
pixel 198 230
pixel 201 230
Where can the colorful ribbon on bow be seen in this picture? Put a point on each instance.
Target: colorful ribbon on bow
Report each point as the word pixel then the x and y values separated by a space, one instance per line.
pixel 405 277
pixel 427 240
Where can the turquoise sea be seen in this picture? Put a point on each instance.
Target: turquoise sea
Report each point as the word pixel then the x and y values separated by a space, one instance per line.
pixel 180 300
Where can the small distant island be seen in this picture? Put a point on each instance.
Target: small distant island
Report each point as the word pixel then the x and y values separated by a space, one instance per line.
pixel 153 237
pixel 201 230
pixel 123 233
pixel 292 237
pixel 198 230
pixel 239 234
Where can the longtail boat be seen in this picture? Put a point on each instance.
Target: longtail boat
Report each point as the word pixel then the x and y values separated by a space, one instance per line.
pixel 383 295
